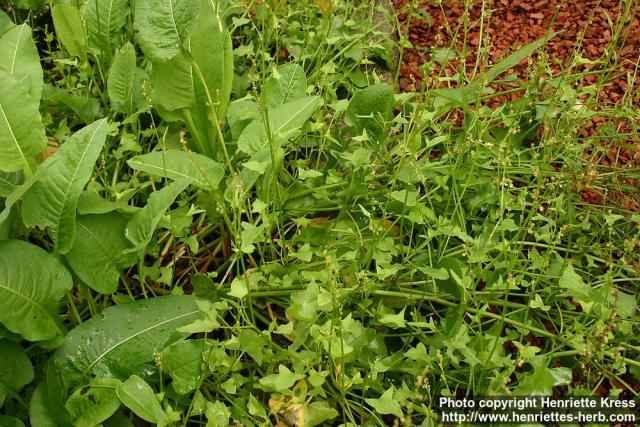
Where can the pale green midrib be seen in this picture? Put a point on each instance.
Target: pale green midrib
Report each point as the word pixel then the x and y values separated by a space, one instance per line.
pixel 173 20
pixel 33 303
pixel 15 51
pixel 109 20
pixel 288 87
pixel 71 181
pixel 13 136
pixel 2 180
pixel 110 349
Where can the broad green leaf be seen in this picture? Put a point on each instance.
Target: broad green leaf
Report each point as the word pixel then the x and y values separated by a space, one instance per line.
pixel 394 320
pixel 119 419
pixel 138 396
pixel 369 109
pixel 15 369
pixel 253 344
pixel 318 413
pixel 119 341
pixel 8 421
pixel 239 114
pixel 195 85
pixel 31 284
pixel 140 228
pixel 52 201
pixel 39 412
pixel 217 414
pixel 175 164
pixel 255 407
pixel 407 198
pixel 22 134
pixel 162 26
pixel 283 122
pixel 96 256
pixel 239 287
pixel 20 190
pixel 46 407
pixel 19 58
pixel 386 404
pixel 91 405
pixel 281 381
pixel 8 182
pixel 288 83
pixel 121 79
pixel 541 380
pixel 70 29
pixel 5 23
pixel 183 362
pixel 91 203
pixel 173 84
pixel 104 20
pixel 211 49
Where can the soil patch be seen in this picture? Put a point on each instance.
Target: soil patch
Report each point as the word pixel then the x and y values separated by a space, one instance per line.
pixel 599 31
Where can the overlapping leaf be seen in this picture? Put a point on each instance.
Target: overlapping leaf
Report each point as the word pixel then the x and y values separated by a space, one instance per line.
pixel 96 256
pixel 52 201
pixel 31 284
pixel 138 396
pixel 122 338
pixel 174 164
pixel 198 79
pixel 163 26
pixel 121 79
pixel 283 122
pixel 287 84
pixel 19 58
pixel 94 404
pixel 22 134
pixel 104 19
pixel 140 229
pixel 67 21
pixel 15 369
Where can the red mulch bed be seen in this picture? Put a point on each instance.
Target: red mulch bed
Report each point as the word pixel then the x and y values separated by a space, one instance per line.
pixel 514 23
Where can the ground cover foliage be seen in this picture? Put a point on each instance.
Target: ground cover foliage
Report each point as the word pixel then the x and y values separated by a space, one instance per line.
pixel 219 213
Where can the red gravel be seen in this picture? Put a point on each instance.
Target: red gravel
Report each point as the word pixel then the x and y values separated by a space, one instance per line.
pixel 514 23
pixel 510 24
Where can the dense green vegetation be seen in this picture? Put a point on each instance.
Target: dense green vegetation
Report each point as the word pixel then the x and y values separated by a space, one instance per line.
pixel 221 212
